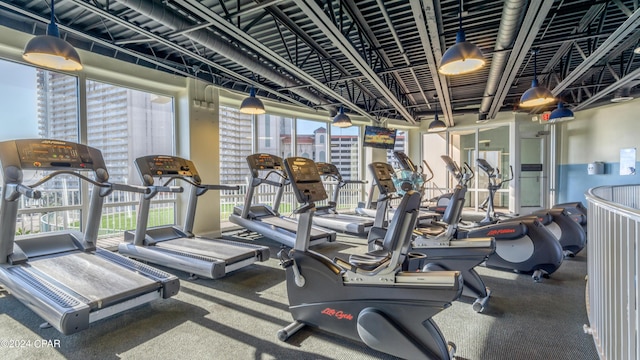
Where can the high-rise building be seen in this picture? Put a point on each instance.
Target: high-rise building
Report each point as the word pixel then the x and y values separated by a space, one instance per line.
pixel 122 123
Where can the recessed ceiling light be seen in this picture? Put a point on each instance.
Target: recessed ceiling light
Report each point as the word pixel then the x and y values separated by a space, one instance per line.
pixel 637 50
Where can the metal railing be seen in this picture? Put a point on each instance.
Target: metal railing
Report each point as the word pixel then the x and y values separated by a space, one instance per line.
pixel 350 195
pixel 613 258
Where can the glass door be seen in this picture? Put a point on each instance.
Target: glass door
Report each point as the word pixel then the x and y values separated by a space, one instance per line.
pixel 533 178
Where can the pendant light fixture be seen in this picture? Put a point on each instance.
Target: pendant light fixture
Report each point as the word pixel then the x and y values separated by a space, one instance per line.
pixel 463 57
pixel 251 104
pixel 341 120
pixel 436 125
pixel 561 114
pixel 536 95
pixel 51 51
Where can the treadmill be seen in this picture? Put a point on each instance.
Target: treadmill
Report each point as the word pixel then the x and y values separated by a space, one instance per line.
pixel 178 248
pixel 266 220
pixel 61 275
pixel 370 208
pixel 329 217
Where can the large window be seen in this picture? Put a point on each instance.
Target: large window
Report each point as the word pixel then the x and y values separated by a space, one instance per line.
pixel 274 135
pixel 346 156
pixel 122 123
pixel 236 143
pixel 126 124
pixel 42 104
pixel 311 140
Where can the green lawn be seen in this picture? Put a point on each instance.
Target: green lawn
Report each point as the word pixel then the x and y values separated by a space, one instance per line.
pixel 128 220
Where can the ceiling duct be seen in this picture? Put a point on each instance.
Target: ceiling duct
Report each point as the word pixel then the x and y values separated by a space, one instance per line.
pixel 512 14
pixel 160 13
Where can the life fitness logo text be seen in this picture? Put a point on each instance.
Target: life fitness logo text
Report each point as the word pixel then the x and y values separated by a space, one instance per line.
pixel 337 314
pixel 501 232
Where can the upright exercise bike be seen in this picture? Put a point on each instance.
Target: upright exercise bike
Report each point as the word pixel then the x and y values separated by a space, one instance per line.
pixel 368 298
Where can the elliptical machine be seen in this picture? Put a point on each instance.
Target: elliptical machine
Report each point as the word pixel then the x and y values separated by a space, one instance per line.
pixel 368 298
pixel 495 184
pixel 557 221
pixel 523 245
pixel 439 253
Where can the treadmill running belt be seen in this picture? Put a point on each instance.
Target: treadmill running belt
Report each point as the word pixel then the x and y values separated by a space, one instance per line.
pixel 292 225
pixel 221 250
pixel 94 278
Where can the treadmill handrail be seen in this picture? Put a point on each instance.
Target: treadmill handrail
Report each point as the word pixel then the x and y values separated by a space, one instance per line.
pixel 67 172
pixel 268 182
pixel 15 190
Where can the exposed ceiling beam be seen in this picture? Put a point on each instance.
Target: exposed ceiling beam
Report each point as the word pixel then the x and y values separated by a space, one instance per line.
pixel 244 38
pixel 618 36
pixel 80 34
pixel 322 21
pixel 632 76
pixel 172 45
pixel 427 24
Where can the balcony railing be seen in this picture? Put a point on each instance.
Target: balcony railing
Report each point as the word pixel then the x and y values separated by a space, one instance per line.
pixel 350 195
pixel 612 268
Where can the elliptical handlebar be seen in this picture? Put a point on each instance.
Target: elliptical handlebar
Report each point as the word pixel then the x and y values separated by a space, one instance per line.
pixel 431 174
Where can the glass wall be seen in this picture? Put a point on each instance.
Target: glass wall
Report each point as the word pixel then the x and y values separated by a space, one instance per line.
pixel 286 136
pixel 122 123
pixel 274 135
pixel 491 144
pixel 346 155
pixel 42 104
pixel 434 145
pixel 126 124
pixel 236 143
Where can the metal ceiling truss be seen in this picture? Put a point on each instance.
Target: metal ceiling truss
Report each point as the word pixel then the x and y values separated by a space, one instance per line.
pixel 343 33
pixel 378 58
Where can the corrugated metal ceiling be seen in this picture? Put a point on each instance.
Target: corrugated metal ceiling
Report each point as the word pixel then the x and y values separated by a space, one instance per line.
pixel 377 57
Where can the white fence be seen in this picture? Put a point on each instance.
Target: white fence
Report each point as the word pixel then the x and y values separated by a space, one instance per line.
pixel 348 199
pixel 613 254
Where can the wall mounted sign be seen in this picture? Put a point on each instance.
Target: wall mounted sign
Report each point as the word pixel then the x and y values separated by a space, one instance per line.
pixel 628 161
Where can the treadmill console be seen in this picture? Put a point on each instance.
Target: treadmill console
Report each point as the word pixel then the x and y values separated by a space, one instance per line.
pixel 155 166
pixel 326 169
pixel 48 154
pixel 404 161
pixel 305 180
pixel 382 175
pixel 259 162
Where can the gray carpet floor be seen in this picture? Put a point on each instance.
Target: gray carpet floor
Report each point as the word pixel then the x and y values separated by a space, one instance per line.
pixel 237 317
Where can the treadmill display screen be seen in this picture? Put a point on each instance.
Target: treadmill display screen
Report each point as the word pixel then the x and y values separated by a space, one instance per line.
pixel 53 154
pixel 305 180
pixel 162 165
pixel 327 169
pixel 264 162
pixel 381 173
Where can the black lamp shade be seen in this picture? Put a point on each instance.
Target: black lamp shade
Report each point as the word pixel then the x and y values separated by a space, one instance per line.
pixel 536 96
